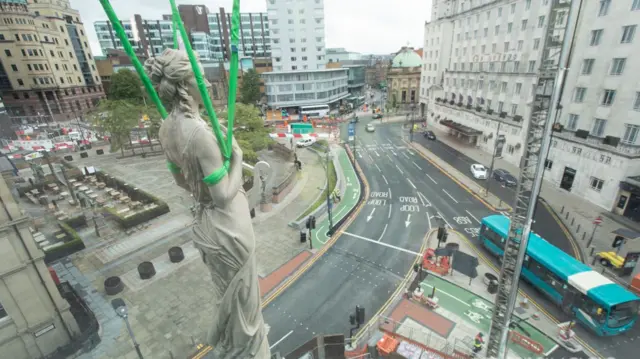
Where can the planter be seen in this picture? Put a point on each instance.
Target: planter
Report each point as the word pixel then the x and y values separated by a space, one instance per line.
pixel 176 255
pixel 113 285
pixel 146 270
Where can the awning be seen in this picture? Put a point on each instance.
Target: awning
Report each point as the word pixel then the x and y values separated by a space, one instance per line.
pixel 627 233
pixel 465 130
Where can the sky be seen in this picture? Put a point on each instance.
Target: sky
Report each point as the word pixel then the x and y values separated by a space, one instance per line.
pixel 369 27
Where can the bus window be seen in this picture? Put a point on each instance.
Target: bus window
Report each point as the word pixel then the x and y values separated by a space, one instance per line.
pixel 494 237
pixel 592 309
pixel 622 314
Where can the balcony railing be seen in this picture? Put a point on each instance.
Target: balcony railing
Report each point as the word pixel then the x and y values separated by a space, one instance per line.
pixel 609 144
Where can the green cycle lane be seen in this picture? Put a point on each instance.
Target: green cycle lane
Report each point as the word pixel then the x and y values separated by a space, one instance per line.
pixel 348 201
pixel 477 312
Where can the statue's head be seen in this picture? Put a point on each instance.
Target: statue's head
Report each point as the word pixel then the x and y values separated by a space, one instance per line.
pixel 172 74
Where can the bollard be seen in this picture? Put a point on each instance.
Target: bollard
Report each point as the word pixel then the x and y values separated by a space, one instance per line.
pixel 593 262
pixel 578 230
pixel 573 220
pixel 562 210
pixel 567 216
pixel 592 250
pixel 584 235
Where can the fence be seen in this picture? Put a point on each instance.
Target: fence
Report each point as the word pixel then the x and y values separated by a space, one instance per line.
pixel 282 189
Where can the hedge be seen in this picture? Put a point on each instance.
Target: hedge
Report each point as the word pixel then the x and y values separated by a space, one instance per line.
pixel 74 245
pixel 77 221
pixel 136 195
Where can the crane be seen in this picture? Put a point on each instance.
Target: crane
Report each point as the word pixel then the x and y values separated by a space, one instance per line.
pixel 556 51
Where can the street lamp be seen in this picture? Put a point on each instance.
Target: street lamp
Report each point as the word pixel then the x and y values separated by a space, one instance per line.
pixel 329 203
pixel 121 309
pixel 413 118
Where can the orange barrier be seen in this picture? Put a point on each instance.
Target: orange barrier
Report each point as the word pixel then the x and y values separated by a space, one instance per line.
pixel 387 345
pixel 435 264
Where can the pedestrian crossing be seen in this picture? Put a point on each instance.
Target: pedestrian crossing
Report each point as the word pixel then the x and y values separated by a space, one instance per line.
pixel 371 152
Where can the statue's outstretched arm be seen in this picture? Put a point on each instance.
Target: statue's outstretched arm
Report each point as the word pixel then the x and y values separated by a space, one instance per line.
pixel 210 159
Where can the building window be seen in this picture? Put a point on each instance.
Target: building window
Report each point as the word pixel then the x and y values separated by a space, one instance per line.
pixel 532 66
pixel 503 87
pixel 636 102
pixel 572 123
pixel 548 164
pixel 618 66
pixel 587 66
pixel 579 94
pixel 7 52
pixel 514 109
pixel 3 313
pixel 596 184
pixel 598 127
pixel 509 27
pixel 14 67
pixel 536 44
pixel 608 97
pixel 540 21
pixel 635 5
pixel 596 35
pixel 500 106
pixel 630 134
pixel 20 82
pixel 627 34
pixel 518 88
pixel 604 7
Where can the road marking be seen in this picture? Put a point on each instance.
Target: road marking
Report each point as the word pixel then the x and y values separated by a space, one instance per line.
pixel 399 169
pixel 391 159
pixel 371 215
pixel 450 196
pixel 472 216
pixel 415 164
pixel 423 199
pixel 281 339
pixel 404 154
pixel 443 292
pixel 385 179
pixel 412 185
pixel 382 243
pixel 390 206
pixel 384 230
pixel 378 167
pixel 408 221
pixel 429 220
pixel 432 180
pixel 376 152
pixel 439 215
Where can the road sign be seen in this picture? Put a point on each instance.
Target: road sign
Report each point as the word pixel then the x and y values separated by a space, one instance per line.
pixel 351 131
pixel 597 221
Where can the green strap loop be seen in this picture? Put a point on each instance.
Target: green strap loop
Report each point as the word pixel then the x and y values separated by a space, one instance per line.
pixel 218 174
pixel 173 168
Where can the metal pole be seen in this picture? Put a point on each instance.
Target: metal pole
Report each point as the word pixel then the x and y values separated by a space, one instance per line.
pixel 133 338
pixel 493 158
pixel 595 226
pixel 563 63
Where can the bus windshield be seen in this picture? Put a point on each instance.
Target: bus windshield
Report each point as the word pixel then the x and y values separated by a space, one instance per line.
pixel 622 314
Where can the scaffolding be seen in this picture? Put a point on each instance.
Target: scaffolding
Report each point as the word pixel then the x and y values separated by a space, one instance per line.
pixel 562 20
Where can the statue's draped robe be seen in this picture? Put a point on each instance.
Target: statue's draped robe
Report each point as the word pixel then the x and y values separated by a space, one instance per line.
pixel 223 233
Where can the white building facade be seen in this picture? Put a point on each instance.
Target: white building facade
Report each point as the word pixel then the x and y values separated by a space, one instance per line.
pixel 596 150
pixel 297 34
pixel 287 89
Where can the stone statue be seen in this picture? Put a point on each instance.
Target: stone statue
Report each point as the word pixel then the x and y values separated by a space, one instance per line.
pixel 223 232
pixel 38 172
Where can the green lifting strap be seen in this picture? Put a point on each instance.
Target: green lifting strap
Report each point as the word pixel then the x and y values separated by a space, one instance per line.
pixel 225 146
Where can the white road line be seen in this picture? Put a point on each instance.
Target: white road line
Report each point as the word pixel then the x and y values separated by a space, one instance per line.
pixel 376 152
pixel 450 295
pixel 472 216
pixel 389 193
pixel 399 169
pixel 281 339
pixel 411 183
pixel 415 164
pixel 382 244
pixel 385 179
pixel 390 206
pixel 391 159
pixel 444 219
pixel 432 180
pixel 429 220
pixel 378 167
pixel 450 196
pixel 382 235
pixel 404 154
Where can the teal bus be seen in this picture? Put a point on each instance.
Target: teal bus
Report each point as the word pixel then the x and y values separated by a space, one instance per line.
pixel 601 305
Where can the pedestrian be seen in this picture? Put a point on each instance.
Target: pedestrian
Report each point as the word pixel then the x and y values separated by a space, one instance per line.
pixel 478 342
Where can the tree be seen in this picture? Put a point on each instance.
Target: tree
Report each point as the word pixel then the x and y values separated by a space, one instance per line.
pixel 249 131
pixel 117 117
pixel 250 89
pixel 126 85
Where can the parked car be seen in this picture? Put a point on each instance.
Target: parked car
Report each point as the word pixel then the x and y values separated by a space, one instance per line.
pixel 429 135
pixel 478 171
pixel 502 175
pixel 306 142
pixel 370 128
pixel 377 116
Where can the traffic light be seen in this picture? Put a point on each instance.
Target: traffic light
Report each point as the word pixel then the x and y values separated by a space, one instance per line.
pixel 303 236
pixel 308 224
pixel 441 233
pixel 360 314
pixel 313 222
pixel 352 319
pixel 444 237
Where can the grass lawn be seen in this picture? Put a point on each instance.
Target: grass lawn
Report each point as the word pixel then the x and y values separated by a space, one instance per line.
pixel 322 198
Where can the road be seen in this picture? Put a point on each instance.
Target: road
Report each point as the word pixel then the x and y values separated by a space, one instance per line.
pixel 544 224
pixel 408 196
